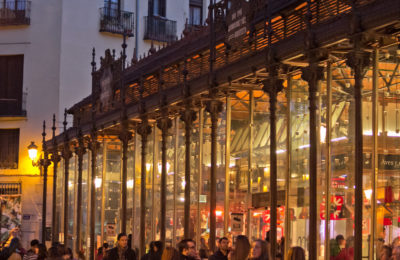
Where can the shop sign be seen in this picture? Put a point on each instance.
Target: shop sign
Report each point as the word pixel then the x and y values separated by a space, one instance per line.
pixel 389 161
pixel 236 21
pixel 237 222
pixel 262 199
pixel 335 209
pixel 110 228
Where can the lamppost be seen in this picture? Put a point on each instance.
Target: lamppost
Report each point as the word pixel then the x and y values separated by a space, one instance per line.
pixel 42 162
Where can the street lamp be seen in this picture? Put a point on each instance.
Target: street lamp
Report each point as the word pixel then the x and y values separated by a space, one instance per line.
pixel 42 162
pixel 32 151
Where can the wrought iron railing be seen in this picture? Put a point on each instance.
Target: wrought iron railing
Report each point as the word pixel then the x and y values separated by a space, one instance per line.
pixel 15 12
pixel 116 21
pixel 159 29
pixel 13 107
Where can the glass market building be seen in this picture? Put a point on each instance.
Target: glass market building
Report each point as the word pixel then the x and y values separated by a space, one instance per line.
pixel 292 126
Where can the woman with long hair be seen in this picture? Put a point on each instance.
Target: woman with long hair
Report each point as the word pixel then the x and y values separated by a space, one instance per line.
pixel 296 253
pixel 241 249
pixel 170 253
pixel 42 252
pixel 260 250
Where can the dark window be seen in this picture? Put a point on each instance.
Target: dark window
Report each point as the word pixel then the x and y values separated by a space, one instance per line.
pixel 195 12
pixel 112 7
pixel 9 140
pixel 157 8
pixel 11 79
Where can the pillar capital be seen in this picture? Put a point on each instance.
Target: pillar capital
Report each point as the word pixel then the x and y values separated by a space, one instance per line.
pixel 125 135
pixel 214 106
pixel 312 74
pixel 358 60
pixel 164 123
pixel 272 86
pixel 144 129
pixel 66 153
pixel 188 116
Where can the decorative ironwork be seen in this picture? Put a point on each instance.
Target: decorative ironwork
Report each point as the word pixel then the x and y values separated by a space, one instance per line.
pixel 15 13
pixel 159 29
pixel 116 21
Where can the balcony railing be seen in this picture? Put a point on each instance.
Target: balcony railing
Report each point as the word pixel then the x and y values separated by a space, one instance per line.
pixel 13 107
pixel 116 21
pixel 15 12
pixel 159 29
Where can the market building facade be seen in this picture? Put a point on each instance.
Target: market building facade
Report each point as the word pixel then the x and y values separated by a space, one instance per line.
pixel 279 118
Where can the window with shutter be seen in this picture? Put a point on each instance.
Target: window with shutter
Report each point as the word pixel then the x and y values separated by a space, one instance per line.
pixel 11 81
pixel 157 8
pixel 195 12
pixel 9 148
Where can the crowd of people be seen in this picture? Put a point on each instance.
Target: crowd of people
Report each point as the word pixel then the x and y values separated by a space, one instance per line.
pixel 186 250
pixel 14 251
pixel 239 249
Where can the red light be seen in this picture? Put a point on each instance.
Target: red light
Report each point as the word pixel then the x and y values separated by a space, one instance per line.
pixel 218 213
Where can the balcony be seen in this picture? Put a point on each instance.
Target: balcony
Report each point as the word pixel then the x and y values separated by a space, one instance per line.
pixel 15 13
pixel 116 21
pixel 13 107
pixel 159 29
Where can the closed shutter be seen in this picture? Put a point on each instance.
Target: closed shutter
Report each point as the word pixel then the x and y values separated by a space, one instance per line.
pixel 11 80
pixel 9 140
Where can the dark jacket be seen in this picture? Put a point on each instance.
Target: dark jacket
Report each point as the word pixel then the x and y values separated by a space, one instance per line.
pixel 112 254
pixel 218 255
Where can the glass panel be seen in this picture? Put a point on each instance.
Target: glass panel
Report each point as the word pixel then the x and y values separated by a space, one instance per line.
pixel 98 182
pixel 180 185
pixel 299 175
pixel 71 198
pixel 194 174
pixel 149 189
pixel 239 162
pixel 388 185
pixel 112 188
pixel 130 185
pixel 342 159
pixel 60 201
pixel 85 201
pixel 137 183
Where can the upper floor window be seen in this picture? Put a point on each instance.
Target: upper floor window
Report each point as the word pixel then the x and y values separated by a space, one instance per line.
pixel 195 12
pixel 157 8
pixel 11 81
pixel 9 140
pixel 14 12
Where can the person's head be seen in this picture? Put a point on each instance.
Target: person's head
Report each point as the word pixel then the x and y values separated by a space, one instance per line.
pixel 187 247
pixel 54 252
pixel 241 248
pixel 105 246
pixel 385 253
pixel 157 246
pixel 223 243
pixel 260 249
pixel 341 241
pixel 34 244
pixel 122 240
pixel 42 251
pixel 170 253
pixel 296 253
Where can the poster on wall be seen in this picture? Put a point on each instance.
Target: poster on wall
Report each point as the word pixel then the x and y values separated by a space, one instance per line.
pixel 10 214
pixel 237 222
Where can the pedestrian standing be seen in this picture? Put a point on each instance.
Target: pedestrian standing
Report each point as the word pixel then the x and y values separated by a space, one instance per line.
pixel 32 253
pixel 187 250
pixel 223 250
pixel 121 251
pixel 260 250
pixel 241 249
pixel 296 253
pixel 170 253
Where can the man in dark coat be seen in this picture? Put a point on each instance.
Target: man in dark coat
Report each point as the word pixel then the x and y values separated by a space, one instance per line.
pixel 121 251
pixel 223 250
pixel 187 250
